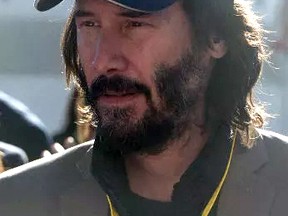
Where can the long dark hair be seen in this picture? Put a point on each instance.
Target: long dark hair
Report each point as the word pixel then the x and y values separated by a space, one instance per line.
pixel 229 97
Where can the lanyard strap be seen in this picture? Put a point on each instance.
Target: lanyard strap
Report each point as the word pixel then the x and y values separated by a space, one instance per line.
pixel 113 212
pixel 215 195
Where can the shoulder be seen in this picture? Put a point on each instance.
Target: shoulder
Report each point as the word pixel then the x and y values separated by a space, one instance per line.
pixel 43 174
pixel 273 136
pixel 276 144
pixel 276 168
pixel 267 158
pixel 53 186
pixel 269 147
pixel 272 149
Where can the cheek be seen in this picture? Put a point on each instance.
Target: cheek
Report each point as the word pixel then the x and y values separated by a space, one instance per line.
pixel 144 64
pixel 153 52
pixel 86 59
pixel 166 46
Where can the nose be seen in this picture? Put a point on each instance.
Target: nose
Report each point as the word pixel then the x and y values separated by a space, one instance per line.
pixel 109 57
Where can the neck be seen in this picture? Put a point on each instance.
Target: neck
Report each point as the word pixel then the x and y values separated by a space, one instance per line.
pixel 153 176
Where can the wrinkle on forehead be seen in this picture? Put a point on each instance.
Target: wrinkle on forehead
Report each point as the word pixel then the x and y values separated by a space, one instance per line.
pixel 81 3
pixel 165 14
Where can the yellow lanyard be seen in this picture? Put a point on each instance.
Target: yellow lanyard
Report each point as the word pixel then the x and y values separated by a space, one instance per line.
pixel 113 212
pixel 215 195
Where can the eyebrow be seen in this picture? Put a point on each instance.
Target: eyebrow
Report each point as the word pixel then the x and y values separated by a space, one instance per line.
pixel 82 13
pixel 134 14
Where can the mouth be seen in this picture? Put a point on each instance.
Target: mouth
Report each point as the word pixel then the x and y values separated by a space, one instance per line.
pixel 118 98
pixel 118 94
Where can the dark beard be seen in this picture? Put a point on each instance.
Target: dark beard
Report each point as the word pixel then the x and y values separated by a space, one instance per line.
pixel 157 126
pixel 147 136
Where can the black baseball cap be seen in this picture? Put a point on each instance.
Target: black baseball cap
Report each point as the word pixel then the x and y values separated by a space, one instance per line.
pixel 137 5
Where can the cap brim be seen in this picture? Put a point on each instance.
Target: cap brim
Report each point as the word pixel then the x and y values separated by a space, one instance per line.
pixel 44 5
pixel 137 5
pixel 142 5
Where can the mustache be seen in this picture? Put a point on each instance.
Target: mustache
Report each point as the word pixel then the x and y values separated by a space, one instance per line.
pixel 117 83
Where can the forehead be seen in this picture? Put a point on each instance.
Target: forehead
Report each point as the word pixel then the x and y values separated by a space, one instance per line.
pixel 96 7
pixel 86 4
pixel 104 6
pixel 107 10
pixel 143 5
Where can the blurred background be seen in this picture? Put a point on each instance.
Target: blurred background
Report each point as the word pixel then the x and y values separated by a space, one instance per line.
pixel 30 60
pixel 31 68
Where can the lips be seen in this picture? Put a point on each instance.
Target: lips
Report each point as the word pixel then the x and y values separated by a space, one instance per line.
pixel 118 99
pixel 118 94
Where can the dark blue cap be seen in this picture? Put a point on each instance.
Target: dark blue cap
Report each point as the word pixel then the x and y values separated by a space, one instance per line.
pixel 138 5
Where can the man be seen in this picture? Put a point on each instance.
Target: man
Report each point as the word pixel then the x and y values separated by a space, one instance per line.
pixel 169 86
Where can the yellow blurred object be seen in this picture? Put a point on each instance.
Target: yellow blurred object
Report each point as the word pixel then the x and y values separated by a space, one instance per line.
pixel 85 131
pixel 2 168
pixel 113 212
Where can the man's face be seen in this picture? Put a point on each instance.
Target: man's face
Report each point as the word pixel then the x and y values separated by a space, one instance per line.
pixel 142 70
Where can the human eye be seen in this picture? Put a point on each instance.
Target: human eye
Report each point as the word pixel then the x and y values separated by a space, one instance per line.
pixel 87 24
pixel 135 24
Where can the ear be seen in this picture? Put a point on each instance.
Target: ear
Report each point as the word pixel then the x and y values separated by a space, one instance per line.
pixel 217 48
